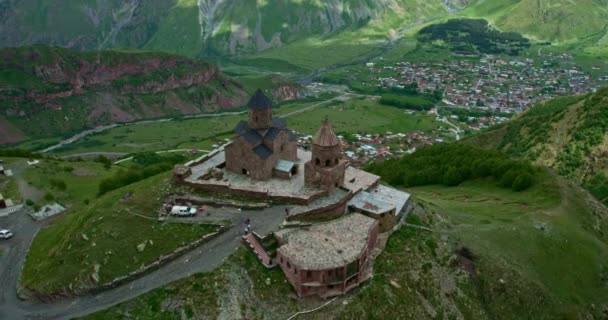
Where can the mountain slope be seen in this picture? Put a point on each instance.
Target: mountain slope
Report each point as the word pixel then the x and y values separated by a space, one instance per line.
pixel 234 28
pixel 567 134
pixel 50 91
pixel 553 20
pixel 192 27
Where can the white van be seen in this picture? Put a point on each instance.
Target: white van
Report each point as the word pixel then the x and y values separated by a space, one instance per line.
pixel 183 211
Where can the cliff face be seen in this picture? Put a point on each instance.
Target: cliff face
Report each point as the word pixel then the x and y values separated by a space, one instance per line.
pixel 48 91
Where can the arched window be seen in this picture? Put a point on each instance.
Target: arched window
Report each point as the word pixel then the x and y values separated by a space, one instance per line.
pixel 317 161
pixel 327 163
pixel 337 161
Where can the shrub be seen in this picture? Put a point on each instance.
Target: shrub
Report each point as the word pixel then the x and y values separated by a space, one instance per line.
pixel 522 182
pixel 49 197
pixel 58 184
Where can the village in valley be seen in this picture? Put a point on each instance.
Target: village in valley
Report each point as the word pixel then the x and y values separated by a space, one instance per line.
pixel 498 83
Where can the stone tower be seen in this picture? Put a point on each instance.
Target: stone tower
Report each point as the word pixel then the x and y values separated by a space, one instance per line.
pixel 260 111
pixel 326 168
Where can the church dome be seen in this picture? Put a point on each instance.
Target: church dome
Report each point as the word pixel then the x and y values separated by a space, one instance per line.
pixel 259 101
pixel 326 137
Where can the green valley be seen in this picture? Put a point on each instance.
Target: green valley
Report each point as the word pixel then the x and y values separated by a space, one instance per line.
pixel 304 159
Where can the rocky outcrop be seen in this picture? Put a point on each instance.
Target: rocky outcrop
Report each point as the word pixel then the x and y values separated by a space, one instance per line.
pixel 85 90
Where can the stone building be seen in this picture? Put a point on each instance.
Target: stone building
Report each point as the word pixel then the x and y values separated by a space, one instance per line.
pixel 263 147
pixel 385 204
pixel 328 259
pixel 326 168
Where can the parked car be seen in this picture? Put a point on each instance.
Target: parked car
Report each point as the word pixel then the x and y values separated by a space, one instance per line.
pixel 5 234
pixel 183 211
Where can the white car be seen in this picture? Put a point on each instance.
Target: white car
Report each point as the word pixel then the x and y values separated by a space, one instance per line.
pixel 183 211
pixel 5 234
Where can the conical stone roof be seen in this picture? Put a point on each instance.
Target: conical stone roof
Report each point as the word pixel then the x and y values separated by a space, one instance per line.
pixel 259 101
pixel 326 137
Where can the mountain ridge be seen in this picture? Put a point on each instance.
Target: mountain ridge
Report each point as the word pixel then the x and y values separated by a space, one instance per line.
pixel 50 91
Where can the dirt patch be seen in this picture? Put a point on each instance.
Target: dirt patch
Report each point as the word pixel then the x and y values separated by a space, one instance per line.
pixel 466 261
pixel 9 133
pixel 84 172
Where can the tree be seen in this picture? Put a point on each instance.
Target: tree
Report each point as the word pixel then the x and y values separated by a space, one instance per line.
pixel 508 178
pixel 452 177
pixel 107 163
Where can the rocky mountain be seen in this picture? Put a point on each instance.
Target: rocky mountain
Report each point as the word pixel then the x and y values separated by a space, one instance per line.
pixel 210 27
pixel 567 134
pixel 192 27
pixel 49 91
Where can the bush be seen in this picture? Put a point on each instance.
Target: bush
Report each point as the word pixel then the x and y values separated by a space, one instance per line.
pixel 452 177
pixel 407 102
pixel 49 197
pixel 20 153
pixel 124 178
pixel 30 202
pixel 522 182
pixel 58 184
pixel 107 162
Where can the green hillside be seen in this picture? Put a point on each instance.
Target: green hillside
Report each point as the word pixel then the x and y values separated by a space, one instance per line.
pixel 552 20
pixel 191 27
pixel 48 91
pixel 492 254
pixel 567 134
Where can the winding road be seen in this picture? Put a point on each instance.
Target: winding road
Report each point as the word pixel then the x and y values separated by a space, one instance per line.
pixel 205 258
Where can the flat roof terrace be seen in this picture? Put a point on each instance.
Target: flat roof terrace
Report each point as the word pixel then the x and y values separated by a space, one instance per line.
pixel 282 189
pixel 327 245
pixel 274 188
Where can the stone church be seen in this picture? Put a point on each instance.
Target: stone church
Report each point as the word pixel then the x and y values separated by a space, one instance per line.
pixel 263 147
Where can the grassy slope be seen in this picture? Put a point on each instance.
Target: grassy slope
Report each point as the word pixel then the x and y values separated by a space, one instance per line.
pixel 352 44
pixel 113 232
pixel 520 271
pixel 567 134
pixel 553 20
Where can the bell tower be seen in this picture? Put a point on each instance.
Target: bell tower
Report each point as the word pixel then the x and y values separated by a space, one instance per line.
pixel 260 111
pixel 326 168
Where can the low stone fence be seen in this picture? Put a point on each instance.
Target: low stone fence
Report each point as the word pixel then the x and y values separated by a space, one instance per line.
pixel 332 210
pixel 163 260
pixel 10 210
pixel 214 202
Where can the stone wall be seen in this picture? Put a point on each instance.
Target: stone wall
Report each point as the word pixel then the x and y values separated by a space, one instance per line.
pixel 333 210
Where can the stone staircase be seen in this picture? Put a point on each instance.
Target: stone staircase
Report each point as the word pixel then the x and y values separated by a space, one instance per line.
pixel 253 242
